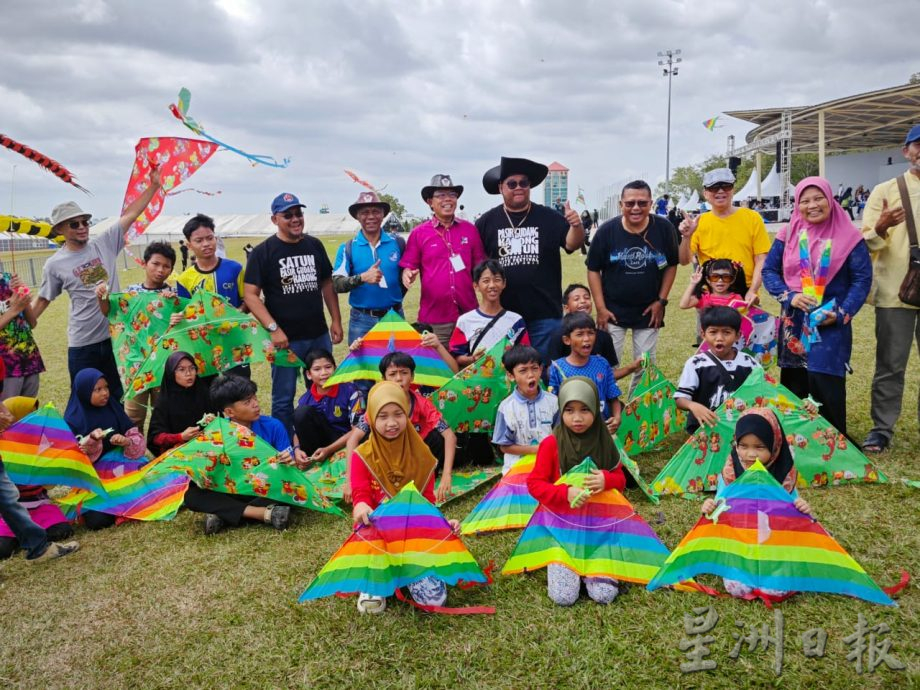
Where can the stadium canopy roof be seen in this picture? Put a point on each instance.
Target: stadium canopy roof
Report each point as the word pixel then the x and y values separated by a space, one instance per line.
pixel 872 120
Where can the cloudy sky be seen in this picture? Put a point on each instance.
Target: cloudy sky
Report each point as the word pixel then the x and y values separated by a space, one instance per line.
pixel 400 90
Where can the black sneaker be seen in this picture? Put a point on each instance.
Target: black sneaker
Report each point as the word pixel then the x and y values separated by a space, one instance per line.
pixel 277 516
pixel 213 524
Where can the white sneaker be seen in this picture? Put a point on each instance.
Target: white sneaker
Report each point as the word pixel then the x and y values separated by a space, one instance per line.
pixel 371 604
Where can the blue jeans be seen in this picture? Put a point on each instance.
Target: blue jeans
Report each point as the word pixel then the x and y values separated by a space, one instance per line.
pixel 359 323
pixel 284 380
pixel 540 331
pixel 96 356
pixel 31 537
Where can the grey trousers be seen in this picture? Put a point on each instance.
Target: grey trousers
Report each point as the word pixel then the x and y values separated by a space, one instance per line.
pixel 896 329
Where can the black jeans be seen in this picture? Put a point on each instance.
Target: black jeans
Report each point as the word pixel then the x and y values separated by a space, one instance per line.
pixel 829 391
pixel 228 507
pixel 96 356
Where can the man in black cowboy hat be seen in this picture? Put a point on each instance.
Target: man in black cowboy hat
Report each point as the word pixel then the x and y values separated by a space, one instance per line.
pixel 444 251
pixel 367 267
pixel 525 238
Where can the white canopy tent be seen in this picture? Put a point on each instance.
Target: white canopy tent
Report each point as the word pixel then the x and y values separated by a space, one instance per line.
pixel 691 204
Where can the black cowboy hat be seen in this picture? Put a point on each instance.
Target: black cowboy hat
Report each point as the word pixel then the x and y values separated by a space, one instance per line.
pixel 535 172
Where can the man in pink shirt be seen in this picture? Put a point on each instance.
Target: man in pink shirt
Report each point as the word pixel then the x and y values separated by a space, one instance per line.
pixel 444 250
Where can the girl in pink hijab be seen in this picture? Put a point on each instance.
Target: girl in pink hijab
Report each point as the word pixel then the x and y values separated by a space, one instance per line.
pixel 818 369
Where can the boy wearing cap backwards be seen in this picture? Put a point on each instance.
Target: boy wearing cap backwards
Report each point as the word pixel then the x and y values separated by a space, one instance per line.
pixel 292 271
pixel 77 268
pixel 209 271
pixel 726 232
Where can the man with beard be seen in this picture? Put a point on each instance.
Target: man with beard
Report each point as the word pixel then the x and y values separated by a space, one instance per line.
pixel 525 238
pixel 292 270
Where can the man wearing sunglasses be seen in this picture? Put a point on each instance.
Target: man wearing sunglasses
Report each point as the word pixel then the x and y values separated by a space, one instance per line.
pixel 293 273
pixel 77 268
pixel 726 232
pixel 525 238
pixel 632 263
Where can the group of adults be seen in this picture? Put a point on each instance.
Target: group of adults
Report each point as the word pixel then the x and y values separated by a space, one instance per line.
pixel 631 267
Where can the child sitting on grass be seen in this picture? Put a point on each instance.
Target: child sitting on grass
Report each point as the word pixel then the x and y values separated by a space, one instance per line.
pixel 579 333
pixel 528 415
pixel 759 436
pixel 103 426
pixel 710 377
pixel 399 368
pixel 325 414
pixel 235 397
pixel 184 401
pixel 478 330
pixel 581 433
pixel 393 456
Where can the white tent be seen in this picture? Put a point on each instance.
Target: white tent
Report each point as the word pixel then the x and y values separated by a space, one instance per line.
pixel 770 186
pixel 750 188
pixel 691 204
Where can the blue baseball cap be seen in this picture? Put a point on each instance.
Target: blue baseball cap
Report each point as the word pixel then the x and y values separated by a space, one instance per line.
pixel 285 201
pixel 913 135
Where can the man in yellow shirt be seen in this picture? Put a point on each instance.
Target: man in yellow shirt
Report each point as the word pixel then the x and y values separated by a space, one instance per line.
pixel 726 232
pixel 897 326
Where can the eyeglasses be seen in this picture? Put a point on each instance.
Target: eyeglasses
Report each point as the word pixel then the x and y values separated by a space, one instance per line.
pixel 514 184
pixel 641 203
pixel 74 224
pixel 186 370
pixel 721 278
pixel 721 187
pixel 287 215
pixel 448 195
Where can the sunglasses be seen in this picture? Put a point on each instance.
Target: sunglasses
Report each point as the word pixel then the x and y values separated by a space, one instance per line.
pixel 287 215
pixel 721 278
pixel 450 195
pixel 641 203
pixel 720 187
pixel 74 224
pixel 514 184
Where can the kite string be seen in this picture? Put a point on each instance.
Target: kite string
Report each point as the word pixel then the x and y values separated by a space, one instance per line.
pixel 384 551
pixel 582 526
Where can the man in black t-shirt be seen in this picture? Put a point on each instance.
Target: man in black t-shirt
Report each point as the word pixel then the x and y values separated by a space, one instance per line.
pixel 292 271
pixel 631 268
pixel 525 238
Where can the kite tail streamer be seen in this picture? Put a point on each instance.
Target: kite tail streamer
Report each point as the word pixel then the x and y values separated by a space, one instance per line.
pixel 44 161
pixel 897 587
pixel 453 611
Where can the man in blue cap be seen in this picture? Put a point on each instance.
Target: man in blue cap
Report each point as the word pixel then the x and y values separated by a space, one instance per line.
pixel 889 226
pixel 293 273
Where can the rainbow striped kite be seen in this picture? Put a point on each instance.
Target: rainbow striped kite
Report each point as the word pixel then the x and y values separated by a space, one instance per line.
pixel 392 333
pixel 710 124
pixel 605 537
pixel 408 539
pixel 130 491
pixel 41 449
pixel 508 505
pixel 762 540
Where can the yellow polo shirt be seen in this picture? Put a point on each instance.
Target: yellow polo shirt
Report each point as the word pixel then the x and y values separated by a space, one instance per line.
pixel 739 237
pixel 889 255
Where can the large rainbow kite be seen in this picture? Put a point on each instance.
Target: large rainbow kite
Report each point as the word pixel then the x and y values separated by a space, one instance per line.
pixel 391 334
pixel 508 505
pixel 408 539
pixel 763 541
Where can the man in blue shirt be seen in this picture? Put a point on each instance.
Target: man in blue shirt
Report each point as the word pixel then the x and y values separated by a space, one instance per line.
pixel 367 267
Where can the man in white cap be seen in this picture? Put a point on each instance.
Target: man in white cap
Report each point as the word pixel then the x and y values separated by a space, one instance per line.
pixel 886 227
pixel 726 232
pixel 77 268
pixel 526 238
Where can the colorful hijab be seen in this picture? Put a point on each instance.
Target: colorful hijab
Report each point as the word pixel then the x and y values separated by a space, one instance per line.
pixel 596 441
pixel 83 417
pixel 763 423
pixel 394 463
pixel 177 408
pixel 838 227
pixel 21 405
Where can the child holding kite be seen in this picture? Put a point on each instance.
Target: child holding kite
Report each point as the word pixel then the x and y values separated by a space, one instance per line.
pixel 393 455
pixel 101 426
pixel 184 401
pixel 581 433
pixel 759 436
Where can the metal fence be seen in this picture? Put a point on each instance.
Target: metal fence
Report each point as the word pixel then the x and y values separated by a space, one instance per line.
pixel 30 268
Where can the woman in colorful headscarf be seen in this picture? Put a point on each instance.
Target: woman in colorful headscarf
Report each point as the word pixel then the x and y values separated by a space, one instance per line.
pixel 759 436
pixel 393 455
pixel 838 257
pixel 581 433
pixel 33 498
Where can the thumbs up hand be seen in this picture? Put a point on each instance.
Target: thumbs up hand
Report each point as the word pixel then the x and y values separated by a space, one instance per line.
pixel 571 215
pixel 887 219
pixel 373 274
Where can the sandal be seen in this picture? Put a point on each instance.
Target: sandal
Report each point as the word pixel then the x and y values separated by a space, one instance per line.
pixel 875 443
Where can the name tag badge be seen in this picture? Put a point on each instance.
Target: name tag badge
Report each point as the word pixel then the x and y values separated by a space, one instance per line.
pixel 383 282
pixel 457 262
pixel 662 262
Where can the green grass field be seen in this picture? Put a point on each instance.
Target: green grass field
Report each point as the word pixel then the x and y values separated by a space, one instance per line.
pixel 159 605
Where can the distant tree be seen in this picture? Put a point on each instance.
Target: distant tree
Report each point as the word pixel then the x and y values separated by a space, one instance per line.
pixel 395 206
pixel 914 78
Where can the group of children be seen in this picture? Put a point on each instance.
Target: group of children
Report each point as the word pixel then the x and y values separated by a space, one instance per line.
pixel 397 435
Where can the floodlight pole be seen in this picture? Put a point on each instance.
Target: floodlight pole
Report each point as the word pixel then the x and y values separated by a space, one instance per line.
pixel 668 60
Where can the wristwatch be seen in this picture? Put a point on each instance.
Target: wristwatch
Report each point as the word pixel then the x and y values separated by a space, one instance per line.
pixel 272 327
pixel 663 301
